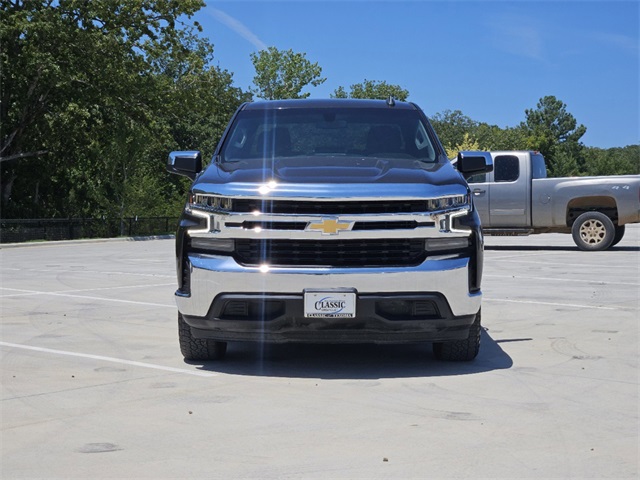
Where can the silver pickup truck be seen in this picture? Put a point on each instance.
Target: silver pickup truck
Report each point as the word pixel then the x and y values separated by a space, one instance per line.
pixel 329 221
pixel 516 198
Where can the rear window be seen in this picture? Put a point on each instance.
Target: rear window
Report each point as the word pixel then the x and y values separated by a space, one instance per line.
pixel 302 132
pixel 506 168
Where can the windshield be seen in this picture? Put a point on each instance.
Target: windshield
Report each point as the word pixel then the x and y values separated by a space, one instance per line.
pixel 309 132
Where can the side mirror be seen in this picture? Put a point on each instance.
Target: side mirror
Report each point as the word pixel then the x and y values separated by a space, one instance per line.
pixel 471 163
pixel 187 163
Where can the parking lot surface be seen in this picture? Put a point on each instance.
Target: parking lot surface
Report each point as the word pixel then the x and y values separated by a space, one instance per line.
pixel 94 386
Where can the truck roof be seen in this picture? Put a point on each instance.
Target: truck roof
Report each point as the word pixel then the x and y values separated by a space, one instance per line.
pixel 326 103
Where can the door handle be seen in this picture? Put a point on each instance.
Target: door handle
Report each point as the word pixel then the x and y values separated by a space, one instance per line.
pixel 479 191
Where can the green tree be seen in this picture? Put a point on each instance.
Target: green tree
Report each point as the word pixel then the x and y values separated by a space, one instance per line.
pixel 554 132
pixel 373 89
pixel 94 95
pixel 549 129
pixel 551 116
pixel 612 161
pixel 468 144
pixel 68 69
pixel 283 74
pixel 492 137
pixel 199 99
pixel 60 59
pixel 563 163
pixel 452 126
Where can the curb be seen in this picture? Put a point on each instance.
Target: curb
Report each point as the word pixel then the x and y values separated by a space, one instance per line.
pixel 80 241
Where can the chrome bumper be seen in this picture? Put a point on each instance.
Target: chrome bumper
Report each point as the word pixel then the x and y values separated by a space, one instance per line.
pixel 212 275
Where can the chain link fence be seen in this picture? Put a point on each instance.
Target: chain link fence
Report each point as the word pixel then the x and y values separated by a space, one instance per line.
pixel 24 230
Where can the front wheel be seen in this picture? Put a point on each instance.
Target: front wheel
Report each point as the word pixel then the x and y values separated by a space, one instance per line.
pixel 593 231
pixel 198 348
pixel 461 350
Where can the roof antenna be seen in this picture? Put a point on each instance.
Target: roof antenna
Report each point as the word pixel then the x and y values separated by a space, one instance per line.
pixel 391 101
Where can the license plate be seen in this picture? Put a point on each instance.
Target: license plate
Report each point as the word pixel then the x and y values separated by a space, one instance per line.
pixel 329 304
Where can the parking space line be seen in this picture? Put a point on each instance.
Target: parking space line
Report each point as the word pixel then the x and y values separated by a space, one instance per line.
pixel 516 259
pixel 86 297
pixel 100 289
pixel 571 280
pixel 532 302
pixel 58 271
pixel 198 373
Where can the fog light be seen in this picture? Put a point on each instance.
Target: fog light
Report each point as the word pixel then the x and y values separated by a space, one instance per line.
pixel 213 244
pixel 445 244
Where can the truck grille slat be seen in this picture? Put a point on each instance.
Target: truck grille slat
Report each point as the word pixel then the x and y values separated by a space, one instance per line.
pixel 358 226
pixel 337 253
pixel 251 205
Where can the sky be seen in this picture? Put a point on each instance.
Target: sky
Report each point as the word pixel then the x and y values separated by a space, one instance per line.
pixel 491 60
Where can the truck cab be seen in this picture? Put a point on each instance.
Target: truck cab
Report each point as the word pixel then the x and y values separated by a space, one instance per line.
pixel 503 196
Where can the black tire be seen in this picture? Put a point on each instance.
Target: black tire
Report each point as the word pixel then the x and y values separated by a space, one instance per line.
pixel 198 348
pixel 461 350
pixel 618 236
pixel 593 231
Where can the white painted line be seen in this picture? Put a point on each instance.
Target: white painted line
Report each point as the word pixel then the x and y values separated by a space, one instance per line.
pixel 100 299
pixel 516 256
pixel 570 280
pixel 99 289
pixel 11 295
pixel 58 271
pixel 197 373
pixel 516 259
pixel 594 307
pixel 135 274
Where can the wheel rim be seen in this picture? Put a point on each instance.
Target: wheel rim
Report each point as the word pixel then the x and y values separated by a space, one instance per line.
pixel 592 232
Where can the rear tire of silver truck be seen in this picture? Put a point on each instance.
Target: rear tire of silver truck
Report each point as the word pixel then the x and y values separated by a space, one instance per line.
pixel 461 350
pixel 593 231
pixel 198 348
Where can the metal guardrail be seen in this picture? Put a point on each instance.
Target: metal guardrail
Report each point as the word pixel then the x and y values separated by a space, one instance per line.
pixel 24 230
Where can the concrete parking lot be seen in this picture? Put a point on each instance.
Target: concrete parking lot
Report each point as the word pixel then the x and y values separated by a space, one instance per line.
pixel 94 386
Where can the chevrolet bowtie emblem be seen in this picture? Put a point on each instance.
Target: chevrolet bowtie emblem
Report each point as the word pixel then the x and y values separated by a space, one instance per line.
pixel 329 226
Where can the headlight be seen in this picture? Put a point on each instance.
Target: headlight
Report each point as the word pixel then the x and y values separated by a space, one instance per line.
pixel 446 203
pixel 210 202
pixel 206 206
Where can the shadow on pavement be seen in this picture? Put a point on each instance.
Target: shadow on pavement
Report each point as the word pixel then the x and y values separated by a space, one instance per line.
pixel 352 361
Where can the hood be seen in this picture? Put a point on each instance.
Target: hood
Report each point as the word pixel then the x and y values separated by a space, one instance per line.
pixel 332 176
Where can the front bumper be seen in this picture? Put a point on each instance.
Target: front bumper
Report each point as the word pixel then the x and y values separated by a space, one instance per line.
pixel 440 281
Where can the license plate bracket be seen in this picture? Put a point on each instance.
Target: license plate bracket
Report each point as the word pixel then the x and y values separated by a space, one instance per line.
pixel 330 303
